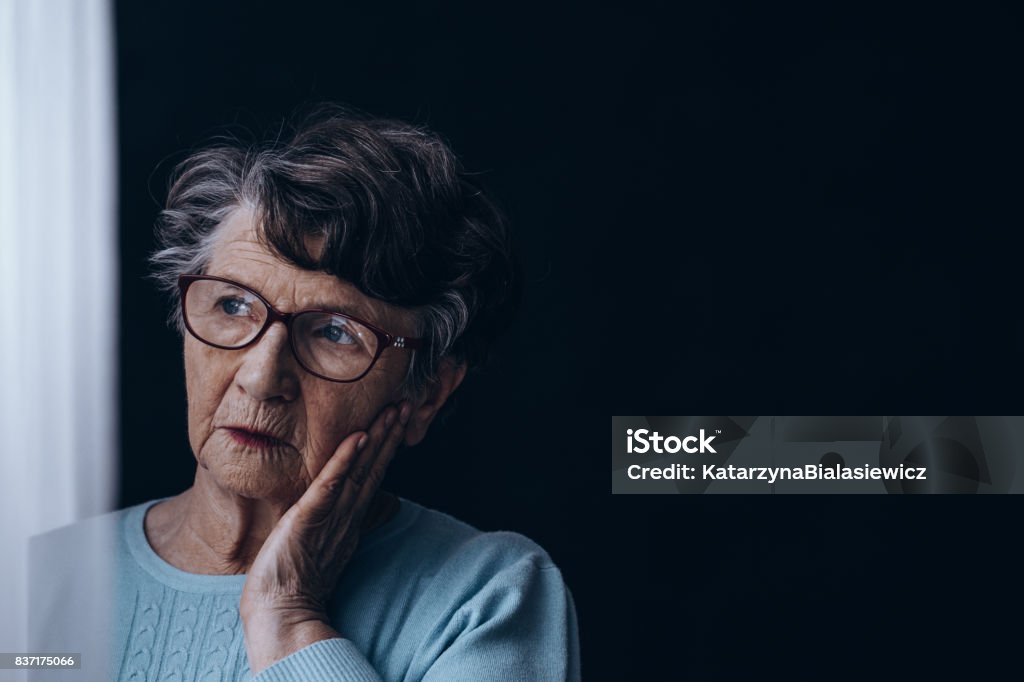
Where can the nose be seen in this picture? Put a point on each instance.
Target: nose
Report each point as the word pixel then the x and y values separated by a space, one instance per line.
pixel 269 370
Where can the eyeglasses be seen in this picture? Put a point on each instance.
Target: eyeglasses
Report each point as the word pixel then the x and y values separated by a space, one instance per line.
pixel 328 344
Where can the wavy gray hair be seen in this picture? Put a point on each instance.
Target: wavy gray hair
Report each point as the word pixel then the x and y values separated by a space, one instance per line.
pixel 396 215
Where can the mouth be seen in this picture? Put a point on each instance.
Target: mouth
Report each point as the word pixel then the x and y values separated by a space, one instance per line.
pixel 254 439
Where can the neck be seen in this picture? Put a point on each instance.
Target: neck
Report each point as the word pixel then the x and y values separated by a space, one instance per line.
pixel 210 531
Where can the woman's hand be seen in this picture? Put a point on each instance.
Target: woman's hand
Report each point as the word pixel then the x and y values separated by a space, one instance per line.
pixel 284 601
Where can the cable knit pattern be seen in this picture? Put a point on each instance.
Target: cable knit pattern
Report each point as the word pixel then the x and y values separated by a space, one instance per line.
pixel 143 642
pixel 180 636
pixel 175 637
pixel 424 598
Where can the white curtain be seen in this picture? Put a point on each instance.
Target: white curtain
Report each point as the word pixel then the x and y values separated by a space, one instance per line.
pixel 58 277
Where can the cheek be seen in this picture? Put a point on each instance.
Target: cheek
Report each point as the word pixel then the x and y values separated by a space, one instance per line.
pixel 338 411
pixel 332 415
pixel 206 382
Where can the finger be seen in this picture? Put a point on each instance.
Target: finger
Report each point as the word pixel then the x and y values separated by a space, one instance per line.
pixel 385 452
pixel 346 464
pixel 340 508
pixel 379 430
pixel 322 495
pixel 333 491
pixel 366 476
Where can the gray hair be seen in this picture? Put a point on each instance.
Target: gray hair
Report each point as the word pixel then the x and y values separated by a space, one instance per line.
pixel 395 212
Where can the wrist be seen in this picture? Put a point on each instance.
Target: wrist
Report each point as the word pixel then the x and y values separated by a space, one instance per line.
pixel 270 637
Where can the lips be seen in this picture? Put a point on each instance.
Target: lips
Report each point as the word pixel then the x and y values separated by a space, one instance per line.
pixel 255 439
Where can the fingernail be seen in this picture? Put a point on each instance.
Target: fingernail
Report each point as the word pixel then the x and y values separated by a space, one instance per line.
pixel 389 420
pixel 362 442
pixel 406 412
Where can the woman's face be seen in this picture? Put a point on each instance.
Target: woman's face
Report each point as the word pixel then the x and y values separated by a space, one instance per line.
pixel 262 388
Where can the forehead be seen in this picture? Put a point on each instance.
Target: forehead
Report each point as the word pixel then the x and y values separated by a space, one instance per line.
pixel 238 255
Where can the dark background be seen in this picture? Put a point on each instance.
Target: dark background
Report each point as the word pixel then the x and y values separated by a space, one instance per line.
pixel 723 209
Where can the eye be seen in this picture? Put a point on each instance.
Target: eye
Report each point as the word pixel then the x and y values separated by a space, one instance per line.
pixel 235 307
pixel 337 333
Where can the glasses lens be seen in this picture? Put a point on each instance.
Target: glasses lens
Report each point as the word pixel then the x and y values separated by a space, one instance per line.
pixel 333 346
pixel 223 314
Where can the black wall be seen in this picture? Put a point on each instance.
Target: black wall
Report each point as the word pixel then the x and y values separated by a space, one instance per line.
pixel 724 209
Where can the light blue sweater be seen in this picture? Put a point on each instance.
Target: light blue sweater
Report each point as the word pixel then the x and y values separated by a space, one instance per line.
pixel 425 597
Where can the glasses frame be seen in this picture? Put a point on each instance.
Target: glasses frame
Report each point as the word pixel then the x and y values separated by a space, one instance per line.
pixel 384 339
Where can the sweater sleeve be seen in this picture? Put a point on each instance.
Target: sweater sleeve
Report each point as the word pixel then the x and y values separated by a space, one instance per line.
pixel 520 626
pixel 495 610
pixel 329 659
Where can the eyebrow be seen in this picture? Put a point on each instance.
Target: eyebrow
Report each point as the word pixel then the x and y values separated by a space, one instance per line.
pixel 352 311
pixel 342 309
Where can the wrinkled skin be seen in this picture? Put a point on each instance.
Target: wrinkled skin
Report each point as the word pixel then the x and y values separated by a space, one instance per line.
pixel 287 515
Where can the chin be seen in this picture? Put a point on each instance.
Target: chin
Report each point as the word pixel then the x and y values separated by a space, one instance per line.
pixel 260 490
pixel 257 474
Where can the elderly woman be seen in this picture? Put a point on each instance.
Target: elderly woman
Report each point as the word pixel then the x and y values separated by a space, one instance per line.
pixel 332 289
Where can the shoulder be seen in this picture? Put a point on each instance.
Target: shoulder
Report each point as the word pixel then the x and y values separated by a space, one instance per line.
pixel 72 570
pixel 474 604
pixel 80 534
pixel 427 596
pixel 459 560
pixel 67 549
pixel 448 542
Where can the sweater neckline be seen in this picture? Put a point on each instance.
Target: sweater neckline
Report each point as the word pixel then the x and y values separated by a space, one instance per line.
pixel 135 536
